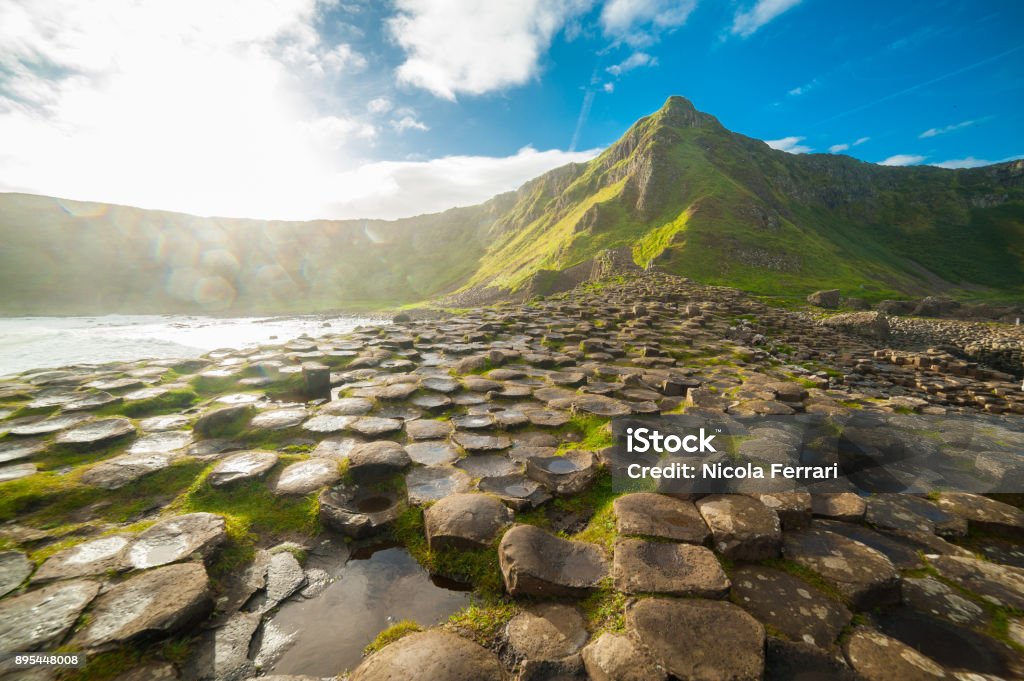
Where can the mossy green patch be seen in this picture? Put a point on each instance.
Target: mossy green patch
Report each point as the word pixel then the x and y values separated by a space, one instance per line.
pixel 484 622
pixel 393 633
pixel 171 401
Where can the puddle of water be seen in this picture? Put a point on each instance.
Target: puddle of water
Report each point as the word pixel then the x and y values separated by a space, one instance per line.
pixel 561 466
pixel 375 589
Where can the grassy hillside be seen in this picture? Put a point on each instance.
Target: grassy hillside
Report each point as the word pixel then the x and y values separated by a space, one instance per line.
pixel 678 191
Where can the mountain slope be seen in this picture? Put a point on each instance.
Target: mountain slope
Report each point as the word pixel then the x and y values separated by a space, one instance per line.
pixel 678 191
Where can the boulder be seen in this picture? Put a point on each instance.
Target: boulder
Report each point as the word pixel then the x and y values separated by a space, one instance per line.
pixel 39 619
pixel 789 605
pixel 284 577
pixel 698 640
pixel 874 325
pixel 616 657
pixel 658 515
pixel 175 539
pixel 465 521
pixel 159 601
pixel 827 299
pixel 863 575
pixel 241 466
pixel 430 656
pixel 223 653
pixel 545 632
pixel 742 528
pixel 537 563
pixel 677 569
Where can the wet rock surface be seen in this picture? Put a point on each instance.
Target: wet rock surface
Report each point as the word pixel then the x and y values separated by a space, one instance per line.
pixel 440 430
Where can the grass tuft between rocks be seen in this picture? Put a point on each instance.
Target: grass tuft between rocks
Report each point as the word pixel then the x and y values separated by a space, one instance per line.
pixel 483 622
pixel 390 635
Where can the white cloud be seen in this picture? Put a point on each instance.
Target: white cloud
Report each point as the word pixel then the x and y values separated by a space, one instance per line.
pixel 861 140
pixel 634 61
pixel 803 89
pixel 640 22
pixel 400 189
pixel 379 105
pixel 836 148
pixel 902 160
pixel 747 22
pixel 473 46
pixel 608 87
pixel 790 145
pixel 971 162
pixel 934 132
pixel 204 107
pixel 409 123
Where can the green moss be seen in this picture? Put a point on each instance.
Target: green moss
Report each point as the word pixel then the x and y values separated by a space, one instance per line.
pixel 478 567
pixel 484 622
pixel 391 634
pixel 171 401
pixel 605 610
pixel 105 666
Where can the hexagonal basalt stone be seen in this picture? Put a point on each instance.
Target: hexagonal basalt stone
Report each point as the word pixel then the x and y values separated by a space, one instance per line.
pixel 844 506
pixel 348 406
pixel 241 466
pixel 742 528
pixel 14 570
pixel 860 573
pixel 537 563
pixel 465 521
pixel 373 426
pixel 175 539
pixel 97 433
pixel 481 443
pixel 600 405
pixel 999 584
pixel 375 460
pixel 929 595
pixel 515 490
pixel 984 513
pixel 158 601
pixel 658 515
pixel 616 657
pixel 677 569
pixel 427 429
pixel 17 471
pixel 121 470
pixel 303 477
pixel 20 449
pixel 359 512
pixel 93 557
pixel 41 618
pixel 327 424
pixel 699 640
pixel 877 657
pixel 430 656
pixel 219 421
pixel 161 443
pixel 567 474
pixel 48 426
pixel 789 605
pixel 433 483
pixel 547 632
pixel 278 419
pixel 432 453
pixel 904 513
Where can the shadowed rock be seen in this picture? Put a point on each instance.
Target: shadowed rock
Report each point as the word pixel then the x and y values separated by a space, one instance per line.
pixel 570 473
pixel 537 563
pixel 39 619
pixel 789 605
pixel 984 513
pixel 877 657
pixel 359 512
pixel 548 632
pixel 999 584
pixel 375 460
pixel 860 573
pixel 175 539
pixel 217 422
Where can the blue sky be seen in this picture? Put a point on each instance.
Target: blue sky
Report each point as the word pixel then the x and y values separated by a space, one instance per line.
pixel 307 108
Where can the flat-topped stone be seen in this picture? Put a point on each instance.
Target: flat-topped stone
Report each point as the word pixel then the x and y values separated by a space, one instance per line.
pixel 348 406
pixel 97 433
pixel 359 511
pixel 473 442
pixel 93 557
pixel 877 657
pixel 545 632
pixel 465 521
pixel 537 563
pixel 567 474
pixel 617 657
pixel 844 506
pixel 929 595
pixel 327 424
pixel 39 619
pixel 15 567
pixel 433 483
pixel 432 453
pixel 176 539
pixel 789 605
pixel 863 575
pixel 515 490
pixel 216 422
pixel 157 424
pixel 742 528
pixel 17 471
pixel 431 656
pixel 303 477
pixel 905 513
pixel 999 584
pixel 698 640
pixel 161 442
pixel 48 426
pixel 241 466
pixel 427 429
pixel 657 515
pixel 20 449
pixel 158 601
pixel 676 569
pixel 372 426
pixel 279 419
pixel 121 470
pixel 984 513
pixel 374 460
